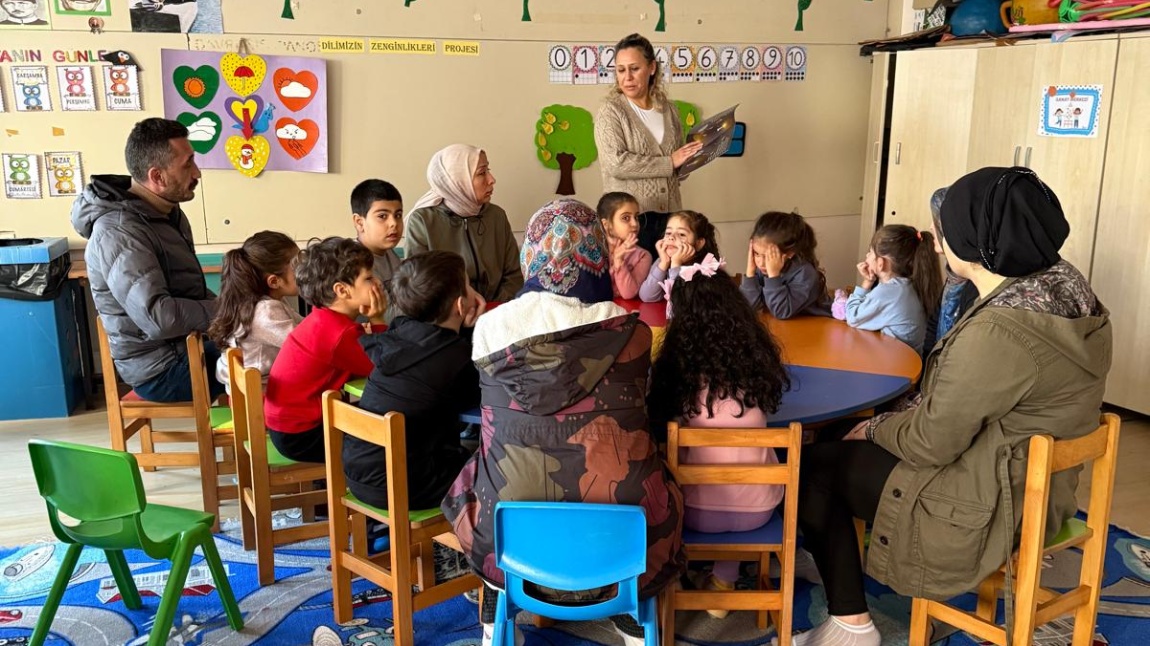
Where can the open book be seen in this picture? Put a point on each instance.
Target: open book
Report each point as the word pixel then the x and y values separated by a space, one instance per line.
pixel 716 134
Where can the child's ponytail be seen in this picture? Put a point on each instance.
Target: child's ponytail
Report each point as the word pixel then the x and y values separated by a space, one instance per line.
pixel 926 274
pixel 243 282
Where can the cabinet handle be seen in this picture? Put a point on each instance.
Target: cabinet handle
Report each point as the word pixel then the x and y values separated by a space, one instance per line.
pixel 1027 162
pixel 897 153
pixel 876 149
pixel 1017 150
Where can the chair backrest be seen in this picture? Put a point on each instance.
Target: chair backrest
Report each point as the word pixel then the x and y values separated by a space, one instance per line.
pixel 785 473
pixel 198 373
pixel 599 545
pixel 246 385
pixel 107 366
pixel 341 418
pixel 89 484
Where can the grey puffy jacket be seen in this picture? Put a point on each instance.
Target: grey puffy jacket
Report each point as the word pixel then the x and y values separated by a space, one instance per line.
pixel 147 283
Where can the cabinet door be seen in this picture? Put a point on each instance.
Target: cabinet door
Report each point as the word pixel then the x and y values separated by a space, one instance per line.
pixel 1121 274
pixel 1072 166
pixel 1004 106
pixel 876 131
pixel 930 130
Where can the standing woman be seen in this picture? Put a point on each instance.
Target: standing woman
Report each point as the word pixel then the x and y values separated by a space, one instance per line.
pixel 638 133
pixel 457 215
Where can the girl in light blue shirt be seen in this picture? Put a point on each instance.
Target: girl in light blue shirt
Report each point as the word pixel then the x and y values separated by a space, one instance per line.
pixel 901 280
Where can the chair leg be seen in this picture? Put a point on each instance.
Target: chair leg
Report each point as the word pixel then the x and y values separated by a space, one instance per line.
pixel 919 623
pixel 52 603
pixel 402 608
pixel 426 565
pixel 223 586
pixel 987 600
pixel 649 619
pixel 667 614
pixel 764 583
pixel 181 560
pixel 265 536
pixel 124 582
pixel 340 576
pixel 504 629
pixel 146 443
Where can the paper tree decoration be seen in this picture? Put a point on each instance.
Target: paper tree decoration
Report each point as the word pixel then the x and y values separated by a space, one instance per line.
pixel 526 11
pixel 689 115
pixel 662 24
pixel 803 6
pixel 565 141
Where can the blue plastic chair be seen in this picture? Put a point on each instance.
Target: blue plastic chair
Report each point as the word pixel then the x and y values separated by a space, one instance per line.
pixel 599 545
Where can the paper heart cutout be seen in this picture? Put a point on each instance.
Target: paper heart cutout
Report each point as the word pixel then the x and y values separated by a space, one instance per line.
pixel 235 108
pixel 249 156
pixel 244 74
pixel 297 139
pixel 197 86
pixel 203 130
pixel 295 89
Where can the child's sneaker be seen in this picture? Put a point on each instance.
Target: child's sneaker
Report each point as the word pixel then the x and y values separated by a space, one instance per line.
pixel 715 583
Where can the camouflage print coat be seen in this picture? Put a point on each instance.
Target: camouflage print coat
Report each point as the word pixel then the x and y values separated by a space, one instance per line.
pixel 564 419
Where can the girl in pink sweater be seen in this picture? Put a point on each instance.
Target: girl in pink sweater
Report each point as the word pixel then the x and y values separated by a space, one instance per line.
pixel 630 263
pixel 719 367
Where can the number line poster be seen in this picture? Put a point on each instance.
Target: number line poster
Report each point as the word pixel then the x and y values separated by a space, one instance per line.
pixel 589 64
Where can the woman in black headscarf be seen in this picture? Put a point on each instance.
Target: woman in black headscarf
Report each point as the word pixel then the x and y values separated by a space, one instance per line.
pixel 942 482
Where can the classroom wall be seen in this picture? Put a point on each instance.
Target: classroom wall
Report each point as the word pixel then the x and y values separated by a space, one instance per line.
pixel 389 113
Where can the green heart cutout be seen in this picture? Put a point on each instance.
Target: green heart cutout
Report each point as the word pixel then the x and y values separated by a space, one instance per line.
pixel 197 86
pixel 201 136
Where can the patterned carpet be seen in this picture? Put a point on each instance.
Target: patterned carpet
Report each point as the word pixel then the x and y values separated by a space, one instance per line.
pixel 296 611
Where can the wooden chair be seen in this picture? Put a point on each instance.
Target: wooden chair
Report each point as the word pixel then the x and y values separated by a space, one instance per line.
pixel 410 562
pixel 777 537
pixel 268 481
pixel 129 414
pixel 1035 605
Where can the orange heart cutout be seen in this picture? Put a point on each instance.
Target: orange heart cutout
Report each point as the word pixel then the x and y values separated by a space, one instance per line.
pixel 249 156
pixel 295 89
pixel 250 105
pixel 297 138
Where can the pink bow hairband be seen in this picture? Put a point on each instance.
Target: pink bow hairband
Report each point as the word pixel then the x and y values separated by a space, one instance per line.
pixel 707 267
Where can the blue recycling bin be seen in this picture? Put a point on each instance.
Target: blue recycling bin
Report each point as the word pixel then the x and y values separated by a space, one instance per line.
pixel 41 371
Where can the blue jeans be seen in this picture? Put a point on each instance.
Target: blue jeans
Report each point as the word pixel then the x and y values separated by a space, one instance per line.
pixel 175 383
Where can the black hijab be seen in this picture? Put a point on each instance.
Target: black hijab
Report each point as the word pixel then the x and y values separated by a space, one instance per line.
pixel 1006 219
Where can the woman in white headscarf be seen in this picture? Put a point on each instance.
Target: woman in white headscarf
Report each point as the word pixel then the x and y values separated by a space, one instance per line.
pixel 457 215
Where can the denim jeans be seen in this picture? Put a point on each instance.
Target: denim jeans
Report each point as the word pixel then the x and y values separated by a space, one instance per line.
pixel 175 383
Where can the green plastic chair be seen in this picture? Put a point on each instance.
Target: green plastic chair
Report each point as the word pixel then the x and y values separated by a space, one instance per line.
pixel 101 489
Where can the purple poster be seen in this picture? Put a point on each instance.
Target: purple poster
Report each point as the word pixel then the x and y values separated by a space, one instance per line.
pixel 251 113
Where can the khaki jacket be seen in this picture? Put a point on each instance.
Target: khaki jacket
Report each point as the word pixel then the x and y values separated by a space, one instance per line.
pixel 485 241
pixel 951 510
pixel 632 161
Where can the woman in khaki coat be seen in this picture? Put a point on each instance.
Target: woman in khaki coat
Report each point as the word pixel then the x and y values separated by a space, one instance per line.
pixel 943 481
pixel 637 131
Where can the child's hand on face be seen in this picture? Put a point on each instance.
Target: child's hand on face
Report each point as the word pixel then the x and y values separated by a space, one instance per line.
pixel 623 247
pixel 375 307
pixel 867 274
pixel 664 248
pixel 476 308
pixel 773 261
pixel 750 259
pixel 682 255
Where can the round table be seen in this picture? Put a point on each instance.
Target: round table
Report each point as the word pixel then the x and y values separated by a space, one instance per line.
pixel 835 370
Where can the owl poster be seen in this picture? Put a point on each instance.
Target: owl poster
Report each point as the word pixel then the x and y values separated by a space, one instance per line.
pixel 64 173
pixel 21 176
pixel 30 89
pixel 77 89
pixel 122 88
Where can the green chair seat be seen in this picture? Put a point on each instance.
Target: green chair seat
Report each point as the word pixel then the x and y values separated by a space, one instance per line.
pixel 355 387
pixel 275 458
pixel 415 515
pixel 222 418
pixel 1071 529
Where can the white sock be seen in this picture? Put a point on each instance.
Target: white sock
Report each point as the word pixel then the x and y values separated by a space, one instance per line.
pixel 835 632
pixel 489 635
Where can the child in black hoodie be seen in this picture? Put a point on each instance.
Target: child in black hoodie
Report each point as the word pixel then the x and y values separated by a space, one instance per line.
pixel 423 369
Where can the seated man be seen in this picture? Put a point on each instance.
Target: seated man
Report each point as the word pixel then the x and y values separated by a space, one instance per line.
pixel 147 283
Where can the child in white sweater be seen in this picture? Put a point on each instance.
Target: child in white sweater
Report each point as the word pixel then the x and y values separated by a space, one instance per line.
pixel 252 314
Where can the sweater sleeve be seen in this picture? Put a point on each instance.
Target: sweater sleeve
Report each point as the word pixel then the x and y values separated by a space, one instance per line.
pixel 349 355
pixel 752 289
pixel 786 296
pixel 969 392
pixel 136 280
pixel 651 291
pixel 871 309
pixel 272 322
pixel 617 160
pixel 630 274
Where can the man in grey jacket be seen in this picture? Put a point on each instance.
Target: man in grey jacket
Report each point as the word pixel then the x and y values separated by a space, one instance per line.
pixel 147 283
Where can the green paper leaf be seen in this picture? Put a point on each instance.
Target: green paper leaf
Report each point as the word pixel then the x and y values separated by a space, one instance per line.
pixel 287 12
pixel 203 130
pixel 196 86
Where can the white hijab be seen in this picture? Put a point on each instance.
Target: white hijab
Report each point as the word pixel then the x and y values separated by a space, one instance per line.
pixel 449 173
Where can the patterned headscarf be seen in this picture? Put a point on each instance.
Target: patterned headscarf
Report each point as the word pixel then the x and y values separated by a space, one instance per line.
pixel 449 173
pixel 565 252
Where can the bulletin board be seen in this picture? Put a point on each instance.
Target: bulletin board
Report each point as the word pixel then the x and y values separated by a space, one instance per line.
pixel 389 111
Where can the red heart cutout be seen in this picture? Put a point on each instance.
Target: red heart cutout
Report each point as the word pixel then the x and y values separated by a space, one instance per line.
pixel 295 89
pixel 297 139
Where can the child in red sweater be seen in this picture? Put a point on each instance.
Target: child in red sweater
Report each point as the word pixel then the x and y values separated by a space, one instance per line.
pixel 323 352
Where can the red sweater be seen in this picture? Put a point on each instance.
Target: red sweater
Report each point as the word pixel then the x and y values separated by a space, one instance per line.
pixel 321 353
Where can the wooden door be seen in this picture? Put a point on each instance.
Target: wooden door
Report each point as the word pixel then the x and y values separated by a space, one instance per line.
pixel 930 130
pixel 876 137
pixel 1121 271
pixel 1004 106
pixel 1072 166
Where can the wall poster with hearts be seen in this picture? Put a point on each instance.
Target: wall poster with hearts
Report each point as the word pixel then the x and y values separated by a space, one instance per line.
pixel 249 112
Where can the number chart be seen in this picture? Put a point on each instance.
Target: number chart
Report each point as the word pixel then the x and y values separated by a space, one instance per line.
pixel 594 64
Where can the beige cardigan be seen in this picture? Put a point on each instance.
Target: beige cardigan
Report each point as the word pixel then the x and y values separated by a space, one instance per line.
pixel 630 158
